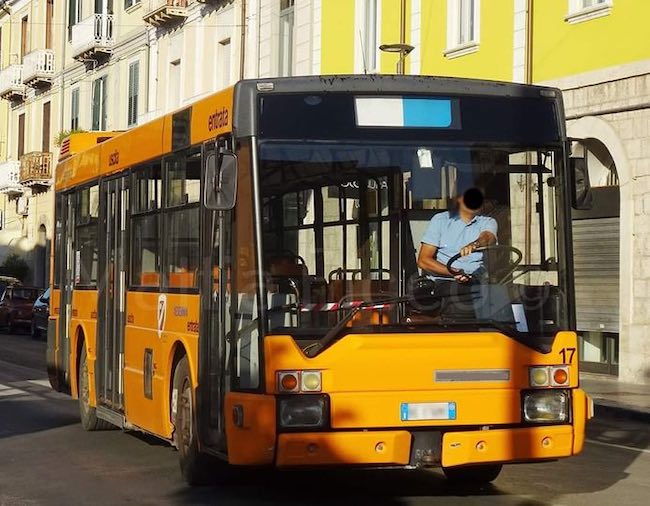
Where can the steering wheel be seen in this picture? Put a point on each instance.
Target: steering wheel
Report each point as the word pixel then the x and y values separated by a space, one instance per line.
pixel 455 272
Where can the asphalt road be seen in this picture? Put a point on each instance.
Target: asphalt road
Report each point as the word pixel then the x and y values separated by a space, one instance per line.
pixel 47 458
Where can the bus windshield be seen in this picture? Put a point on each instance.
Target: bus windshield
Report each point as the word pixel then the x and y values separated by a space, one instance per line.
pixel 343 223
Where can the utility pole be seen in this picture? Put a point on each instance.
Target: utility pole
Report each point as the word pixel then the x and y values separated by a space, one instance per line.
pixel 402 48
pixel 401 67
pixel 528 197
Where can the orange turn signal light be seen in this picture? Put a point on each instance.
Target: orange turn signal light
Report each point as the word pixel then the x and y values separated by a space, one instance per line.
pixel 289 382
pixel 560 376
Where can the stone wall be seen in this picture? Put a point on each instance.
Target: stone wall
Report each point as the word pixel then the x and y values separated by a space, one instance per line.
pixel 617 113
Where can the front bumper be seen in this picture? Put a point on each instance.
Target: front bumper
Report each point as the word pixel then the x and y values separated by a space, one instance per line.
pixel 382 448
pixel 454 447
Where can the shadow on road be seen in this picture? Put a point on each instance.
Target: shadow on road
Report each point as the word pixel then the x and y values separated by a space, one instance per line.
pixel 19 417
pixel 343 486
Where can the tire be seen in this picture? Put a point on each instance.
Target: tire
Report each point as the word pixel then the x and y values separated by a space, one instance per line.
pixel 472 475
pixel 88 414
pixel 196 467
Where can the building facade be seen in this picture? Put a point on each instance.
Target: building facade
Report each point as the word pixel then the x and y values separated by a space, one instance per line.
pixel 106 65
pixel 112 64
pixel 595 52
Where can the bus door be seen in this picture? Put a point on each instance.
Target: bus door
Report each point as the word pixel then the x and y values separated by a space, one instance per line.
pixel 114 202
pixel 213 346
pixel 67 211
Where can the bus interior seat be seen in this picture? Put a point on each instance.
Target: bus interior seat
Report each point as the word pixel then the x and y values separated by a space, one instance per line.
pixel 181 280
pixel 149 279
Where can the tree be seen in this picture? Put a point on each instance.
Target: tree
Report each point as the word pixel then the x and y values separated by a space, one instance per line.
pixel 15 266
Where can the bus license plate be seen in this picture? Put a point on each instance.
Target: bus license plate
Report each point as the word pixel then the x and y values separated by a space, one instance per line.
pixel 412 411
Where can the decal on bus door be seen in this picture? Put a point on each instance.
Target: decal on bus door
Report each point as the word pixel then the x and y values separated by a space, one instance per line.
pixel 162 313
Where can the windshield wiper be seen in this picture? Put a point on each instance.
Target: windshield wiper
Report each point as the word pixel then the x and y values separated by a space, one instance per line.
pixel 503 327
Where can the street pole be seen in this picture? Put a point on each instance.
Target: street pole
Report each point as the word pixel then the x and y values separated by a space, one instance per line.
pixel 402 38
pixel 528 202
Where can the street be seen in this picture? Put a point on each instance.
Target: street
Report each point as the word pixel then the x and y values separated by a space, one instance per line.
pixel 46 458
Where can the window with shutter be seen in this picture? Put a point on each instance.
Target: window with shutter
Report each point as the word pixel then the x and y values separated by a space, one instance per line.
pixel 74 114
pixel 134 83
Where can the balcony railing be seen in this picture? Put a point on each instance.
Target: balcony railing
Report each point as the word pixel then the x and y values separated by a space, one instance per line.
pixel 38 68
pixel 161 12
pixel 10 178
pixel 11 83
pixel 36 169
pixel 92 35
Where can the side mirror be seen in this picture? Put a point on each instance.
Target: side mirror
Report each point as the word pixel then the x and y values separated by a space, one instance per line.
pixel 220 181
pixel 581 196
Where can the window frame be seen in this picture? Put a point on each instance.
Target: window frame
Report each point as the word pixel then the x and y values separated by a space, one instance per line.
pixel 86 225
pixel 75 97
pixel 169 209
pixel 133 94
pixel 457 15
pixel 136 214
pixel 102 113
pixel 286 38
pixel 579 12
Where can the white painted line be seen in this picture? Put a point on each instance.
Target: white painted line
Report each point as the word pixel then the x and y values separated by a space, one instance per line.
pixel 622 447
pixel 40 383
pixel 11 391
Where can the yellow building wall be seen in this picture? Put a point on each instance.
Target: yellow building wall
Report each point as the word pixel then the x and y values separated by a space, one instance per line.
pixel 337 51
pixel 493 60
pixel 562 49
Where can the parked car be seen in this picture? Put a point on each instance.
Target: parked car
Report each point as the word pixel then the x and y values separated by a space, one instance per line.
pixel 16 306
pixel 6 281
pixel 40 315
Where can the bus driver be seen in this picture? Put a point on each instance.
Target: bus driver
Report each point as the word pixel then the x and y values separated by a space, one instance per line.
pixel 458 231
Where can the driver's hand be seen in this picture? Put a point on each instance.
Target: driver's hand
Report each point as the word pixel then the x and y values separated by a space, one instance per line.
pixel 468 249
pixel 462 278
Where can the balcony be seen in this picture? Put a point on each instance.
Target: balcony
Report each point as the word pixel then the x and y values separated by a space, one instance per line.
pixel 36 169
pixel 10 178
pixel 11 83
pixel 163 12
pixel 92 37
pixel 38 68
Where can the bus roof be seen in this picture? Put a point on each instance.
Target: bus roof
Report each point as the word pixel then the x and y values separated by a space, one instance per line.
pixel 233 109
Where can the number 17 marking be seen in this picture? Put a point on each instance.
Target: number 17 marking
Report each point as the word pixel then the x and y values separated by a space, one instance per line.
pixel 567 351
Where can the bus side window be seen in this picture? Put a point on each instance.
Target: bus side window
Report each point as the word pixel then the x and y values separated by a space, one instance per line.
pixel 183 173
pixel 145 238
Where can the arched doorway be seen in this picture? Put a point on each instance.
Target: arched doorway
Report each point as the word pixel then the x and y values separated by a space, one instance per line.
pixel 41 258
pixel 596 256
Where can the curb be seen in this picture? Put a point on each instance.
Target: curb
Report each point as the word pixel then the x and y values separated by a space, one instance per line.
pixel 615 409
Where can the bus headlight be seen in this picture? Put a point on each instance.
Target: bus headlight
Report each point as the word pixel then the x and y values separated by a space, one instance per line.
pixel 303 411
pixel 546 406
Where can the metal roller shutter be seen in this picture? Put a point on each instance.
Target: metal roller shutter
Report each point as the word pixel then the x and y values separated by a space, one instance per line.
pixel 596 262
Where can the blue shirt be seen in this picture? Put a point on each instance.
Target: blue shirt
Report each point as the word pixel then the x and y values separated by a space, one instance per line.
pixel 449 233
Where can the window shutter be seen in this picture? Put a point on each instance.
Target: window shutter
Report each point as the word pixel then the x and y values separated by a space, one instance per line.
pixel 96 103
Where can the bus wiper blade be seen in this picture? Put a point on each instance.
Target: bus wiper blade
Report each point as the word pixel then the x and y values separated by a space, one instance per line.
pixel 503 327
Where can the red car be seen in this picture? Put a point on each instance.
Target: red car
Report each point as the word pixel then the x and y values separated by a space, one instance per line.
pixel 16 306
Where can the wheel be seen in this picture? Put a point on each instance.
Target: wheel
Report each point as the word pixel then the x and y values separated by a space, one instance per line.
pixel 473 475
pixel 195 467
pixel 88 414
pixel 10 326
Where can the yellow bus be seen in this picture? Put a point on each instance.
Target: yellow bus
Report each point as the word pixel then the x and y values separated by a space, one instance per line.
pixel 240 277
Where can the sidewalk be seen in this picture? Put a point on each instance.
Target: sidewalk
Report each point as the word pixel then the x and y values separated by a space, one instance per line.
pixel 613 397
